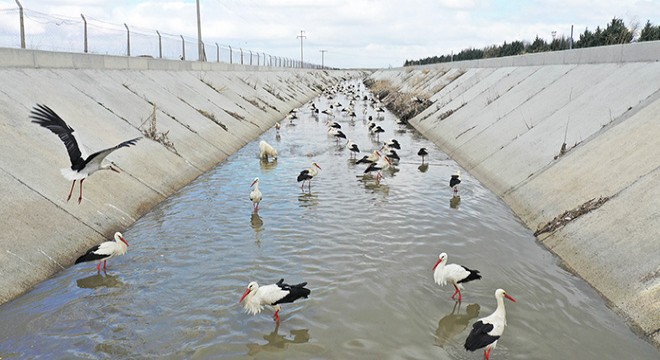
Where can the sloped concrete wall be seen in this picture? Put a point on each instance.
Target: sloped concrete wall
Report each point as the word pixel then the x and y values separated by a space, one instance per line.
pixel 208 110
pixel 505 120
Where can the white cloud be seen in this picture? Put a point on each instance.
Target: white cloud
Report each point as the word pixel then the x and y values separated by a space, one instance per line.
pixel 357 33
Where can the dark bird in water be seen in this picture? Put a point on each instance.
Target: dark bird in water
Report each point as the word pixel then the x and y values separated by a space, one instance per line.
pixel 455 180
pixel 81 168
pixel 423 153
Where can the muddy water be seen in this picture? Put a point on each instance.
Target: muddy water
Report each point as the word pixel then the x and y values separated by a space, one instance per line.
pixel 366 250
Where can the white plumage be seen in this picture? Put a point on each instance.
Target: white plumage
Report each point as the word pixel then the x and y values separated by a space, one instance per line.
pixel 257 297
pixel 486 331
pixel 454 274
pixel 266 150
pixel 255 194
pixel 106 250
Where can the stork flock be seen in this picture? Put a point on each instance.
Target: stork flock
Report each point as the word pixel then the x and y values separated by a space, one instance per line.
pixel 485 332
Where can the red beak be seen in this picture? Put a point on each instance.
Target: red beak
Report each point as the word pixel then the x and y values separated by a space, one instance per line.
pixel 114 169
pixel 124 240
pixel 244 295
pixel 317 165
pixel 254 182
pixel 509 297
pixel 437 263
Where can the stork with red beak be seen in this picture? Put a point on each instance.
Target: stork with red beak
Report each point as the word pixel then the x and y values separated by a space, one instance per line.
pixel 454 274
pixel 257 297
pixel 308 175
pixel 104 251
pixel 81 168
pixel 255 195
pixel 486 331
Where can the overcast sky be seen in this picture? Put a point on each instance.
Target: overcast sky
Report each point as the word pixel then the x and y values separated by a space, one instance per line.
pixel 355 33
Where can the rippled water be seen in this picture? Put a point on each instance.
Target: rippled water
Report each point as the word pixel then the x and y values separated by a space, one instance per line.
pixel 366 251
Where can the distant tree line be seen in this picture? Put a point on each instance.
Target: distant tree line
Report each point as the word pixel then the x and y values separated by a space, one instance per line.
pixel 616 32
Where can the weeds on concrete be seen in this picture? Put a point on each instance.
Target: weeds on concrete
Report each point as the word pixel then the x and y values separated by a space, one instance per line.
pixel 150 131
pixel 571 215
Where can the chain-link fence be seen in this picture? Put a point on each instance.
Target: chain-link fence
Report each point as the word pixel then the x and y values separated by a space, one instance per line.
pixel 25 28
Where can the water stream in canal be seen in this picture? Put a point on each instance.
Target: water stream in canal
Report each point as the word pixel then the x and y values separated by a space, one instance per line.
pixel 365 249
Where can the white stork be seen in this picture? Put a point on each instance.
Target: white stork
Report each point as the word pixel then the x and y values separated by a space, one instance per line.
pixel 371 158
pixel 255 195
pixel 272 295
pixel 104 251
pixel 81 168
pixel 353 148
pixel 381 164
pixel 454 274
pixel 308 175
pixel 486 331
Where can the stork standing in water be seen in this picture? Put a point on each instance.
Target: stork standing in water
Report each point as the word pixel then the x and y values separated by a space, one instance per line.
pixel 454 274
pixel 308 175
pixel 486 331
pixel 105 251
pixel 81 168
pixel 381 164
pixel 266 150
pixel 455 180
pixel 422 152
pixel 272 295
pixel 255 195
pixel 353 148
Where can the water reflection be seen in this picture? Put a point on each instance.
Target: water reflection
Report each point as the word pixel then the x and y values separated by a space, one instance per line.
pixel 454 202
pixel 423 168
pixel 277 342
pixel 98 281
pixel 267 165
pixel 308 200
pixel 278 137
pixel 455 323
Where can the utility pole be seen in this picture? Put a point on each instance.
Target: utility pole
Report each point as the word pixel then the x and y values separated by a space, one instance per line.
pixel 200 45
pixel 22 24
pixel 323 58
pixel 301 36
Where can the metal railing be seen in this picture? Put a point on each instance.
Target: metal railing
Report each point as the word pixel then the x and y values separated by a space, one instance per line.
pixel 41 31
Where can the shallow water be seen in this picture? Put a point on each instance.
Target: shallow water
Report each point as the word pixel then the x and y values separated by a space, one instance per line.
pixel 365 249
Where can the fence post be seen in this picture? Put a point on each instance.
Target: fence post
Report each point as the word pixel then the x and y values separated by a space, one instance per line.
pixel 128 41
pixel 85 32
pixel 231 55
pixel 183 47
pixel 257 59
pixel 241 55
pixel 20 15
pixel 160 46
pixel 217 49
pixel 250 57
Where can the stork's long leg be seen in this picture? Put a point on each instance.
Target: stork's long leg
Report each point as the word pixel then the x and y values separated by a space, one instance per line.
pixel 81 190
pixel 71 191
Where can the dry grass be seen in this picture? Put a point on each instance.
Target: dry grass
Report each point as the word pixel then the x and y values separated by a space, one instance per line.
pixel 150 131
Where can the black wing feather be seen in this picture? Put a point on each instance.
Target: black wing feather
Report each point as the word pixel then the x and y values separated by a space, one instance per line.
pixel 295 292
pixel 479 337
pixel 46 117
pixel 91 256
pixel 304 175
pixel 474 275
